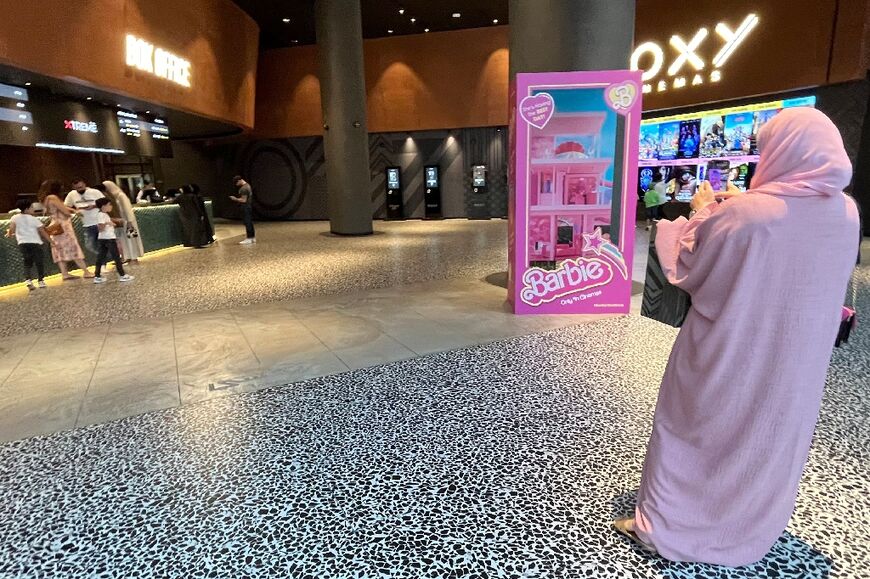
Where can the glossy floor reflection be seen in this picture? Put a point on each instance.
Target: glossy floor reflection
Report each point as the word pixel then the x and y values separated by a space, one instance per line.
pixel 61 379
pixel 291 260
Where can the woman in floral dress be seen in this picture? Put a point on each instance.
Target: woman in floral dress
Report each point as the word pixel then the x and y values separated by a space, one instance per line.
pixel 66 246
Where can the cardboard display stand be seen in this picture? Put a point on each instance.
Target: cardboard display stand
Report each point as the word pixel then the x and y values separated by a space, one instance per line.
pixel 574 151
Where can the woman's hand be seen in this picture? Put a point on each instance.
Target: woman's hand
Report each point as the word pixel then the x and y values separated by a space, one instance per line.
pixel 731 191
pixel 703 197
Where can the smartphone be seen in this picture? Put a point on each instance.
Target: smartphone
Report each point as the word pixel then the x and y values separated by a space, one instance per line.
pixel 717 174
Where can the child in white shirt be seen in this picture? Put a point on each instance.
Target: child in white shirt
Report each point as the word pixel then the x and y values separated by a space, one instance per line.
pixel 29 232
pixel 107 242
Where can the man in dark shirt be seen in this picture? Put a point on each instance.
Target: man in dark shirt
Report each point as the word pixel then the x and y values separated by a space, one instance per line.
pixel 245 198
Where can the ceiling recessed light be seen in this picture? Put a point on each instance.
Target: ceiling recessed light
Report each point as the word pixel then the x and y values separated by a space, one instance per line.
pixel 457 15
pixel 25 129
pixel 401 10
pixel 28 83
pixel 119 106
pixel 426 30
pixel 285 20
pixel 89 99
pixel 413 20
pixel 147 112
pixel 295 41
pixel 389 31
pixel 495 21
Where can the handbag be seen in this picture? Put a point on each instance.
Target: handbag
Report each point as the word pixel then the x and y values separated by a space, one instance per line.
pixel 848 317
pixel 662 301
pixel 54 228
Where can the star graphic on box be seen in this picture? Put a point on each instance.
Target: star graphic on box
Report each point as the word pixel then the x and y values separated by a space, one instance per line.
pixel 593 242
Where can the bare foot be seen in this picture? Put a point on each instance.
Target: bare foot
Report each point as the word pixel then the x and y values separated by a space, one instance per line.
pixel 70 277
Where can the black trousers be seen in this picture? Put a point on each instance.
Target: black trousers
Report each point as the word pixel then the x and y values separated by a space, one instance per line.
pixel 32 254
pixel 108 249
pixel 248 215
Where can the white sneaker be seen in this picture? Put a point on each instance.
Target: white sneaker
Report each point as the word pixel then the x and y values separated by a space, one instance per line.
pixel 127 277
pixel 99 279
pixel 42 284
pixel 248 242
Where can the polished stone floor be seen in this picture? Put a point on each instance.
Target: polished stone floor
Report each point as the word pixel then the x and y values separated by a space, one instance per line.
pixel 502 460
pixel 60 379
pixel 291 260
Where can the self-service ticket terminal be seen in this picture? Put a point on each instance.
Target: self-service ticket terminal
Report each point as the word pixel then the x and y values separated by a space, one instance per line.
pixel 479 206
pixel 432 195
pixel 395 209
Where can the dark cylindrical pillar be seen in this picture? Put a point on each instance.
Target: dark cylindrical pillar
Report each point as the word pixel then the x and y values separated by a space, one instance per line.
pixel 563 35
pixel 343 94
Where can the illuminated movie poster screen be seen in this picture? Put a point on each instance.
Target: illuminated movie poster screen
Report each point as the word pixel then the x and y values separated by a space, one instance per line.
pixel 729 134
pixel 649 142
pixel 712 136
pixel 690 139
pixel 738 133
pixel 669 140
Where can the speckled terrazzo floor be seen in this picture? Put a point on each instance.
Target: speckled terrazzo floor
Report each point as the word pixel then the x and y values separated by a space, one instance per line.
pixel 291 260
pixel 504 460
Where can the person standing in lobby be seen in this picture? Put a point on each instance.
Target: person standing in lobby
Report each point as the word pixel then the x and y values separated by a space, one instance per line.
pixel 245 198
pixel 82 198
pixel 767 272
pixel 66 246
pixel 130 240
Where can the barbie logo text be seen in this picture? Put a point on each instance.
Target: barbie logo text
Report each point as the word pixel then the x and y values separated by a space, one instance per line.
pixel 573 276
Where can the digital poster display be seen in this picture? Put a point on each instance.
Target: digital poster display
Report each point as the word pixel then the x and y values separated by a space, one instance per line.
pixel 432 177
pixel 33 119
pixel 393 182
pixel 719 145
pixel 478 176
pixel 16 119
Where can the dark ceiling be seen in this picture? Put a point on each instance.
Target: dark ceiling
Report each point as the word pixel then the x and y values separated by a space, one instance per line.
pixel 379 17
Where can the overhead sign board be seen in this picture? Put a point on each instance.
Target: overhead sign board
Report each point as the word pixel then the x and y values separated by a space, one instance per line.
pixel 145 56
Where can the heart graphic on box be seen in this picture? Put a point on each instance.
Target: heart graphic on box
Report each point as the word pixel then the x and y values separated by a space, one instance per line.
pixel 621 97
pixel 537 110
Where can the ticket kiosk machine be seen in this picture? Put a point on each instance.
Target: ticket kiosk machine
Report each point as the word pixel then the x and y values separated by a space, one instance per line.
pixel 478 208
pixel 432 193
pixel 395 206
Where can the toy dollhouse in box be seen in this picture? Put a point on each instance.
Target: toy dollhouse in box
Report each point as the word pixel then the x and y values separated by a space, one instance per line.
pixel 568 194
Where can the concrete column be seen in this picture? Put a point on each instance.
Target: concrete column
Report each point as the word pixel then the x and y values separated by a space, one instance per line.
pixel 343 94
pixel 562 35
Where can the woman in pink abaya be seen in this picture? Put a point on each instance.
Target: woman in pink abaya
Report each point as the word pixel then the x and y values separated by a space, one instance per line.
pixel 767 272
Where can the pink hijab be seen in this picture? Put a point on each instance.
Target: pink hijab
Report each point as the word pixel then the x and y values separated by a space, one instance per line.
pixel 802 154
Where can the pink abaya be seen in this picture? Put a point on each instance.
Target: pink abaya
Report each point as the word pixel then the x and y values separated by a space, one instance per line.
pixel 767 272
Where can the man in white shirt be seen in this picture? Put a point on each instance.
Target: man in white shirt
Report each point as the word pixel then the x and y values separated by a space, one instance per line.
pixel 82 199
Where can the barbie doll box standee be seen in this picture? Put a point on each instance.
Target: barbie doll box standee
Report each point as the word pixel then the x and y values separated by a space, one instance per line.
pixel 574 150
